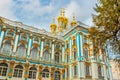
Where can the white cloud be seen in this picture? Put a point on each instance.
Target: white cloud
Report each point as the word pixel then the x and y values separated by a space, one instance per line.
pixel 6 9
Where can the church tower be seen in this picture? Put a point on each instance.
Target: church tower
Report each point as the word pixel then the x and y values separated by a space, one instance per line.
pixel 62 21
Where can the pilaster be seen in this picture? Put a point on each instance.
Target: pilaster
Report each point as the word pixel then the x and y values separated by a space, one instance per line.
pixel 53 50
pixel 29 45
pixel 2 35
pixel 42 45
pixel 16 41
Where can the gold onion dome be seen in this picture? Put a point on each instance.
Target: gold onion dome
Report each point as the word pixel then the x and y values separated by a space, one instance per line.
pixel 73 22
pixel 1 22
pixel 61 16
pixel 53 26
pixel 65 20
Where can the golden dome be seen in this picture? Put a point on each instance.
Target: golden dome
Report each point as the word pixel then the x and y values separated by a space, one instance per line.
pixel 61 16
pixel 73 22
pixel 53 26
pixel 65 20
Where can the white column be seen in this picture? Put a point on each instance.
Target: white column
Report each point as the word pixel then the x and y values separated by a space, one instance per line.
pixel 94 70
pixel 29 45
pixel 42 45
pixel 105 72
pixel 16 42
pixel 2 36
pixel 53 50
pixel 110 73
pixel 63 53
pixel 70 59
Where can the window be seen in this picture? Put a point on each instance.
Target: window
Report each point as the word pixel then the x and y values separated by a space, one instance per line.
pixel 75 70
pixel 18 71
pixel 10 33
pixel 86 53
pixel 99 71
pixel 3 69
pixel 75 53
pixel 34 53
pixel 57 57
pixel 45 73
pixel 7 47
pixel 57 75
pixel 32 73
pixel 67 57
pixel 46 55
pixel 21 50
pixel 87 70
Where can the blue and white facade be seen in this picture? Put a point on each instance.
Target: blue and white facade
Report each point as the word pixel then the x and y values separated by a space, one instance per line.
pixel 28 53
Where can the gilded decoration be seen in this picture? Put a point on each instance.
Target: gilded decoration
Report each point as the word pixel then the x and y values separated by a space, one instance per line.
pixel 57 50
pixel 3 29
pixel 1 22
pixel 27 66
pixel 35 45
pixel 74 63
pixel 10 74
pixel 67 65
pixel 4 61
pixel 52 70
pixel 12 64
pixel 9 38
pixel 46 48
pixel 23 42
pixel 25 75
pixel 63 71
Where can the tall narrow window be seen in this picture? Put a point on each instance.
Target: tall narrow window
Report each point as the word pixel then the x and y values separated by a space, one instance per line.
pixel 7 47
pixel 45 73
pixel 87 70
pixel 18 71
pixel 34 53
pixel 99 71
pixel 3 69
pixel 75 53
pixel 46 55
pixel 75 70
pixel 67 45
pixel 57 57
pixel 21 50
pixel 86 53
pixel 67 57
pixel 57 75
pixel 32 73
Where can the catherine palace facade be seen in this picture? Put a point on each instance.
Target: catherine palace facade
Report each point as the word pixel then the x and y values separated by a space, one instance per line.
pixel 65 53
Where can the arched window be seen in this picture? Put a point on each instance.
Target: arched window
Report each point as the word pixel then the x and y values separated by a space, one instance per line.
pixel 21 50
pixel 18 71
pixel 46 55
pixel 75 51
pixel 87 70
pixel 45 73
pixel 99 71
pixel 86 53
pixel 7 47
pixel 32 73
pixel 75 70
pixel 57 75
pixel 34 53
pixel 74 41
pixel 57 57
pixel 67 72
pixel 3 69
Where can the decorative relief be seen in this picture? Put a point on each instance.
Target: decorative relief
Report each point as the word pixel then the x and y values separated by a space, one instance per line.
pixel 12 64
pixel 10 74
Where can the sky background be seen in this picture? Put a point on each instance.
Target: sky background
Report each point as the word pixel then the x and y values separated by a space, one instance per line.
pixel 39 13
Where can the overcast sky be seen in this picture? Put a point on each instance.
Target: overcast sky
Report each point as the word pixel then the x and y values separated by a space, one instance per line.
pixel 39 13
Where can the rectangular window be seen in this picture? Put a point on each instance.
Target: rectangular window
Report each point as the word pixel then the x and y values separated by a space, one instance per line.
pixel 75 70
pixel 87 70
